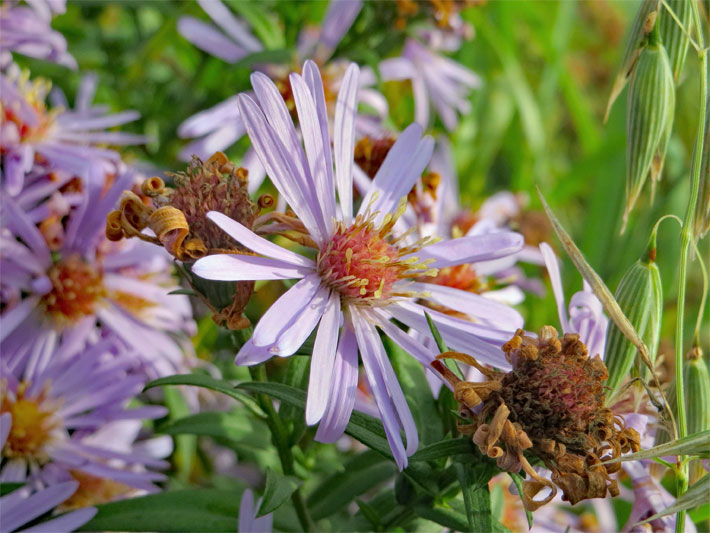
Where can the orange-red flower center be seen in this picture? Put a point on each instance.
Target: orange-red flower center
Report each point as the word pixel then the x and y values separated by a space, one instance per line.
pixel 76 287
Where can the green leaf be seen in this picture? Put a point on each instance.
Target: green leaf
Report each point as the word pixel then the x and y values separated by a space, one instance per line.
pixel 297 377
pixel 263 23
pixel 362 427
pixel 200 380
pixel 7 488
pixel 518 480
pixel 188 292
pixel 278 489
pixel 210 424
pixel 440 344
pixel 418 393
pixel 359 475
pixel 369 513
pixel 476 497
pixel 444 448
pixel 445 517
pixel 696 496
pixel 185 510
pixel 695 444
pixel 185 445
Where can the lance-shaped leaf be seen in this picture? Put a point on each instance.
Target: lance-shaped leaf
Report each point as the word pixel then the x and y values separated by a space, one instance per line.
pixel 641 27
pixel 640 297
pixel 695 444
pixel 278 489
pixel 649 116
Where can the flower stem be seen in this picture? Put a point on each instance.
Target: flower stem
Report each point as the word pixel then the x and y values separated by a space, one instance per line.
pixel 280 440
pixel 686 236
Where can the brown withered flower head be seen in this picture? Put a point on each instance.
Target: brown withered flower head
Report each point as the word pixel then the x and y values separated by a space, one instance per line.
pixel 177 218
pixel 552 406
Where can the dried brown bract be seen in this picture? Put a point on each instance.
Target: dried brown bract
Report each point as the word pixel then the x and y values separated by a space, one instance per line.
pixel 177 217
pixel 552 405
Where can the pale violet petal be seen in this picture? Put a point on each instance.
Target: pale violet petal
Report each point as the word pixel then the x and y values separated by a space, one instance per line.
pixel 285 311
pixel 343 390
pixel 474 305
pixel 238 267
pixel 323 360
pixel 553 269
pixel 368 341
pixel 471 249
pixel 344 139
pixel 318 152
pixel 257 244
pixel 207 38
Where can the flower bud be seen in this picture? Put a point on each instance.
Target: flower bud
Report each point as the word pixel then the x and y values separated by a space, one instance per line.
pixel 673 38
pixel 649 117
pixel 640 296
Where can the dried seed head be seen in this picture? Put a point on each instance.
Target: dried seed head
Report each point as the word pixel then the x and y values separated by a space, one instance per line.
pixel 178 219
pixel 640 296
pixel 649 118
pixel 552 404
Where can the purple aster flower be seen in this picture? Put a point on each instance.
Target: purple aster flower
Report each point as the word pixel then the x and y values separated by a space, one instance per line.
pixel 67 140
pixel 26 30
pixel 56 405
pixel 248 522
pixel 586 314
pixel 435 79
pixel 362 276
pixel 83 286
pixel 221 126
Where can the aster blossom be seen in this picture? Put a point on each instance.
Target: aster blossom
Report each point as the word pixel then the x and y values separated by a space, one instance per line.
pixel 54 409
pixel 362 275
pixel 220 126
pixel 26 30
pixel 61 139
pixel 63 282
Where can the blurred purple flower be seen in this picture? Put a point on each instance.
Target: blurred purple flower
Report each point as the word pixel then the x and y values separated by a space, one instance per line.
pixel 362 275
pixel 62 139
pixel 435 79
pixel 26 30
pixel 55 406
pixel 85 286
pixel 221 126
pixel 248 522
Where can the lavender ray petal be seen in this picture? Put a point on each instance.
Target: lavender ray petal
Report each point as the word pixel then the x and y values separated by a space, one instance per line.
pixel 323 360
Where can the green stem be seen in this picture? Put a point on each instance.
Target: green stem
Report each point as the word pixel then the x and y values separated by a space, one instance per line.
pixel 686 236
pixel 280 439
